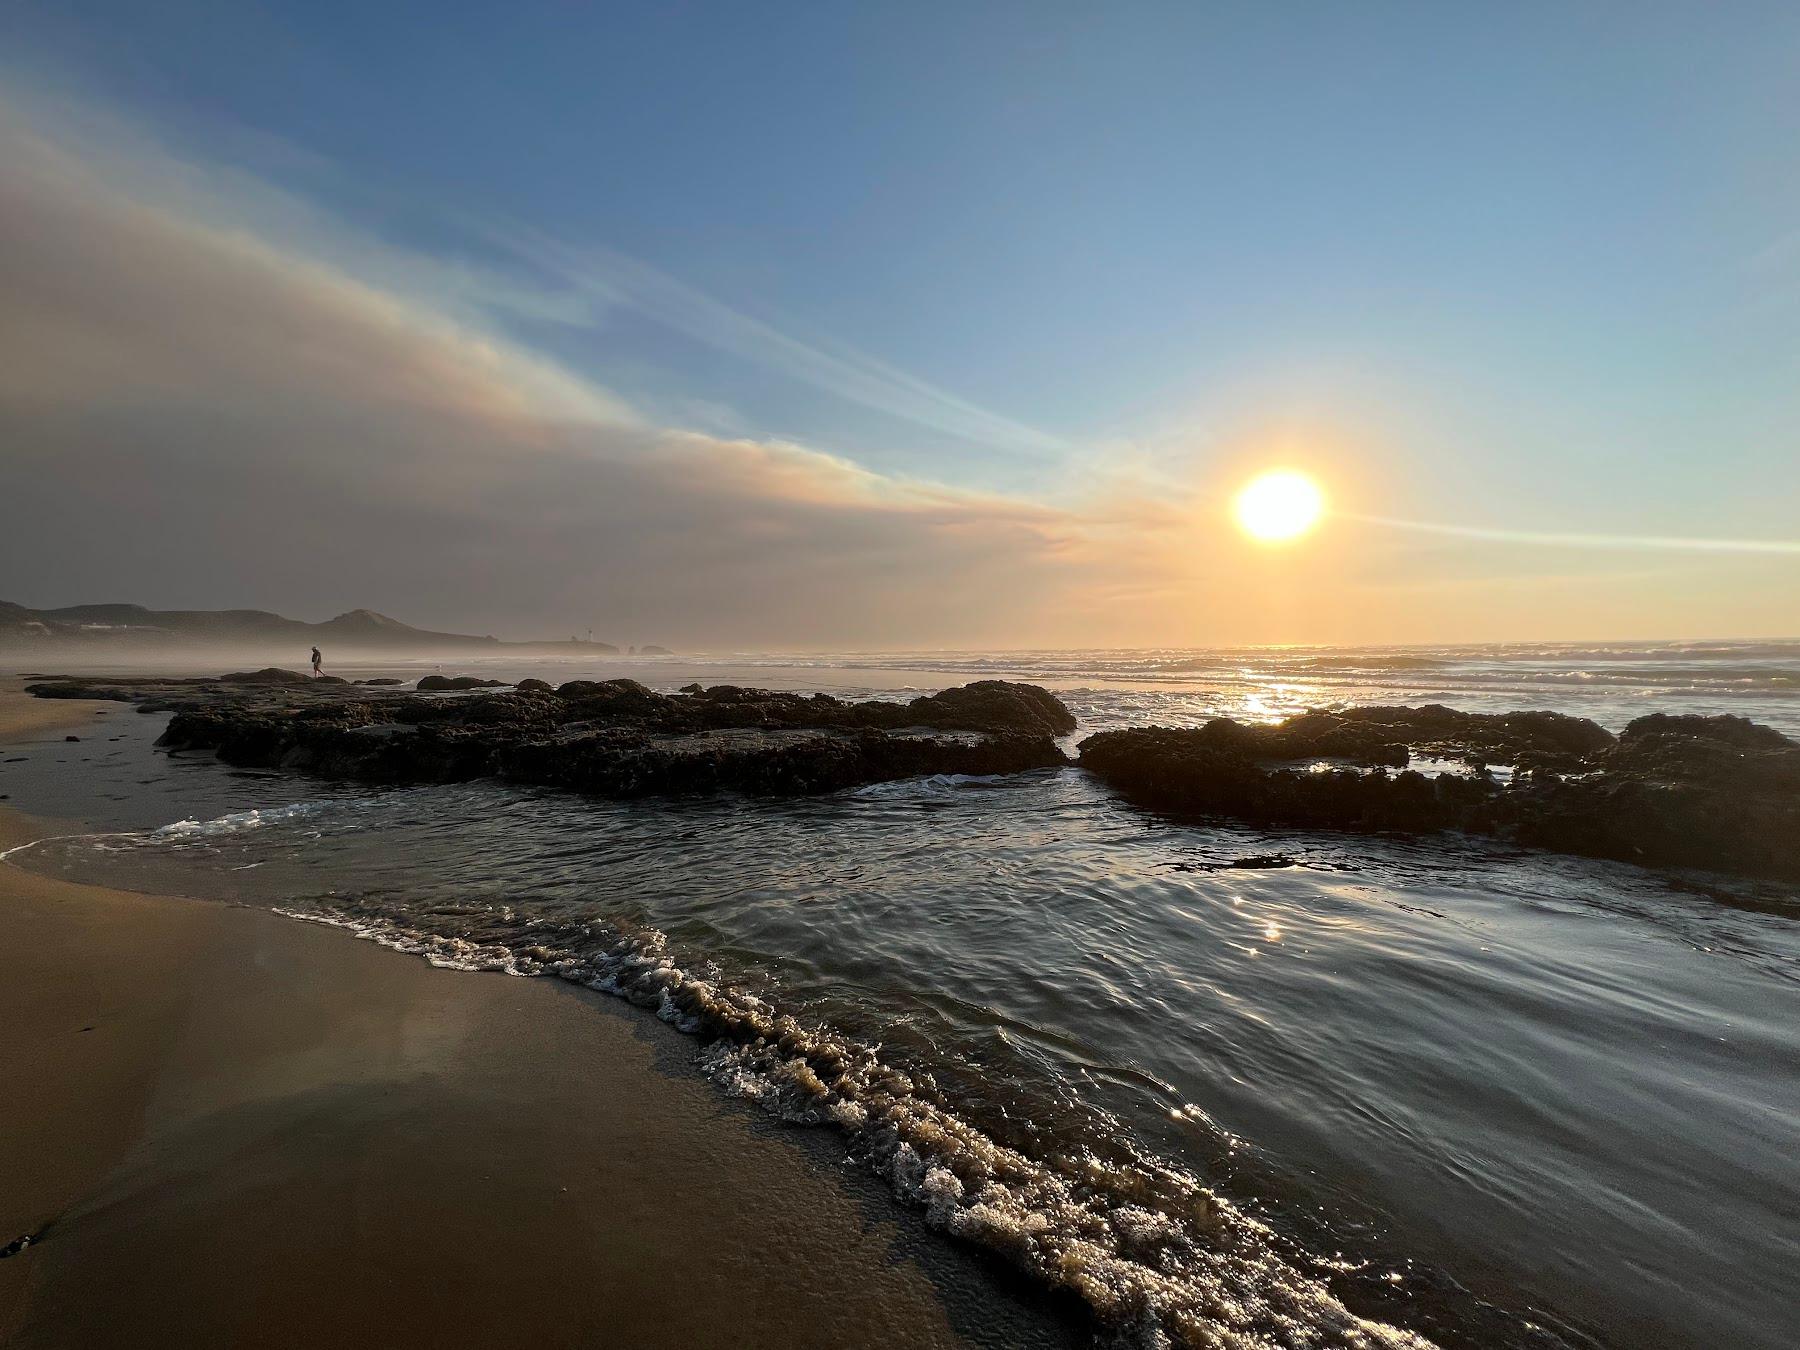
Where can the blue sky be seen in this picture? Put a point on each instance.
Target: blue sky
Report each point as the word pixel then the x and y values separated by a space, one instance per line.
pixel 1530 267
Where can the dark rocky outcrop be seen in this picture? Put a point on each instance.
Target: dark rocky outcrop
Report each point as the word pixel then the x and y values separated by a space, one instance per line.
pixel 1716 792
pixel 986 705
pixel 447 683
pixel 1670 790
pixel 784 762
pixel 276 675
pixel 620 738
pixel 1528 740
pixel 992 705
pixel 1720 792
pixel 161 692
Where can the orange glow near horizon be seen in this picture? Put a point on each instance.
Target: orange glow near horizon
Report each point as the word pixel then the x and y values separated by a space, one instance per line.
pixel 1278 506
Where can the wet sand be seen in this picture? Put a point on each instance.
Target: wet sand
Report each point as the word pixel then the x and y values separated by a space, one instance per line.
pixel 229 1128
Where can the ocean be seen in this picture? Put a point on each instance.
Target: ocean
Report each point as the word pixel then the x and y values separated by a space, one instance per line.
pixel 1225 1085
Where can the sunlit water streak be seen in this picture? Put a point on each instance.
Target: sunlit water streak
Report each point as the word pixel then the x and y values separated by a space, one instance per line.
pixel 1565 1088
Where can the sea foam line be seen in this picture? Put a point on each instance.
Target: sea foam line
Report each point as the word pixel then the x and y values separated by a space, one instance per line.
pixel 61 838
pixel 1157 1257
pixel 231 823
pixel 235 822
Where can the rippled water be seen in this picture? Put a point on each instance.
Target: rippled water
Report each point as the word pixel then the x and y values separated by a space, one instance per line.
pixel 1484 1096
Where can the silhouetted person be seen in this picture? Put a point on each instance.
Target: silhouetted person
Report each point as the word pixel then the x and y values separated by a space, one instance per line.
pixel 318 661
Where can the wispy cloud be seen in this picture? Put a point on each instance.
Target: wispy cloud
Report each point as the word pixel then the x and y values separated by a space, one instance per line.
pixel 527 274
pixel 1578 539
pixel 609 277
pixel 213 392
pixel 208 413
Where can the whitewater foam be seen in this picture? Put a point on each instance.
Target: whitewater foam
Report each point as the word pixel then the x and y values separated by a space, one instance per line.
pixel 1154 1254
pixel 235 822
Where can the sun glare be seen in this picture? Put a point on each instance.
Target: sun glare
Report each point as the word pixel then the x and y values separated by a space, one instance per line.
pixel 1279 505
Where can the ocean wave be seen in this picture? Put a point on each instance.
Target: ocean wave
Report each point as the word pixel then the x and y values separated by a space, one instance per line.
pixel 1155 1255
pixel 235 822
pixel 932 787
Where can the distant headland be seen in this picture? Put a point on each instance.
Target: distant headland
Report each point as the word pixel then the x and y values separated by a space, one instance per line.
pixel 101 629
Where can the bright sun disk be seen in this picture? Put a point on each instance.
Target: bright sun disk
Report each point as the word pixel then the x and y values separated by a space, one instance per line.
pixel 1278 505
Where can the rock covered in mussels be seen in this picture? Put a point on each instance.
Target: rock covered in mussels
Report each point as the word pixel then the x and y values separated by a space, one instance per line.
pixel 1715 792
pixel 621 738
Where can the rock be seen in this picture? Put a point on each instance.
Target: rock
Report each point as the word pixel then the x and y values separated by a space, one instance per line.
pixel 277 676
pixel 1212 770
pixel 782 762
pixel 651 649
pixel 620 738
pixel 1715 792
pixel 996 705
pixel 385 681
pixel 1525 739
pixel 71 738
pixel 1740 732
pixel 1720 792
pixel 441 683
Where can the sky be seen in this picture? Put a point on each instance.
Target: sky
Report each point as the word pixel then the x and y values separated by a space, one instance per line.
pixel 899 326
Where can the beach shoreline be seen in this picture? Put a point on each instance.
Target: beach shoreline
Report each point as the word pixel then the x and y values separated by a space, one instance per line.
pixel 229 1127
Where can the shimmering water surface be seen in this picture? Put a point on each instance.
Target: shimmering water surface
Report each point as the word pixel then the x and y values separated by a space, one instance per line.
pixel 1482 1096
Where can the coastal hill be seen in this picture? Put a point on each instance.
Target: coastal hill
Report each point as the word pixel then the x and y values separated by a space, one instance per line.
pixel 95 629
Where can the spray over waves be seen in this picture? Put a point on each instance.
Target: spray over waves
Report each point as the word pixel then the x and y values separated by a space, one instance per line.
pixel 1159 1259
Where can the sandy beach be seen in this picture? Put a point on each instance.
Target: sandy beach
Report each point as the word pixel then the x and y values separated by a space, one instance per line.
pixel 223 1127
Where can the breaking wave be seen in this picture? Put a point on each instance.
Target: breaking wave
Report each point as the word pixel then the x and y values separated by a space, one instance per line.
pixel 1157 1257
pixel 235 822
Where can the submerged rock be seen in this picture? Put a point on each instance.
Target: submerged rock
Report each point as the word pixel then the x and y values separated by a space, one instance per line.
pixel 1716 792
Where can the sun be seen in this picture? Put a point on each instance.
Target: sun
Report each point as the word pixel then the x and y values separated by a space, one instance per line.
pixel 1279 505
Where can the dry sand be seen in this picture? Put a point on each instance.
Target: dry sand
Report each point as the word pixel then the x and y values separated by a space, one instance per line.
pixel 230 1128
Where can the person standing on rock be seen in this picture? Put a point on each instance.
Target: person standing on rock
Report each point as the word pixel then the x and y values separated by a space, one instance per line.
pixel 318 661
